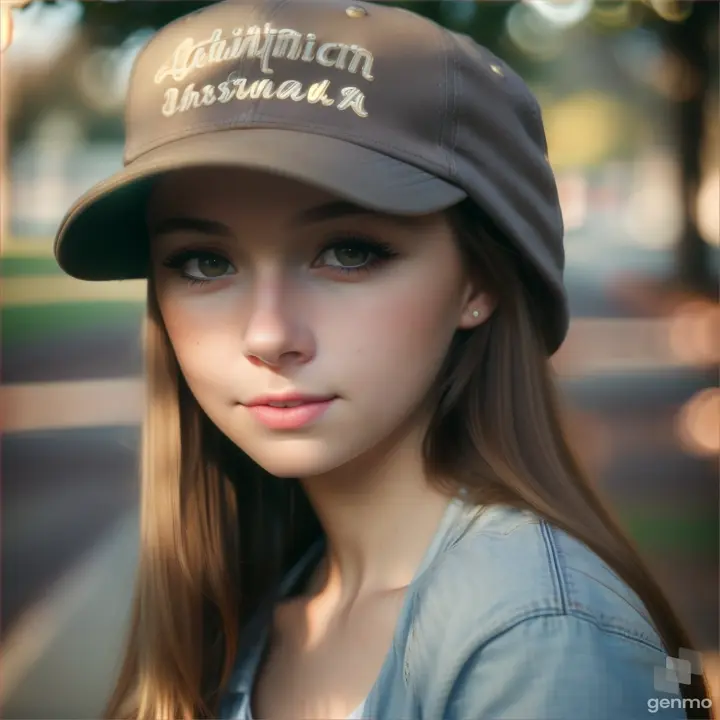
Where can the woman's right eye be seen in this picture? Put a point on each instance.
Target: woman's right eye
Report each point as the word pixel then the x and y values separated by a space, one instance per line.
pixel 200 267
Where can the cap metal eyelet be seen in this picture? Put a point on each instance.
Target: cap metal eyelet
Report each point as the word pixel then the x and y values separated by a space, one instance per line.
pixel 497 70
pixel 355 11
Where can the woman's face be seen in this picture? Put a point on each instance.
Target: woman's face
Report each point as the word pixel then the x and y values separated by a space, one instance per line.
pixel 270 289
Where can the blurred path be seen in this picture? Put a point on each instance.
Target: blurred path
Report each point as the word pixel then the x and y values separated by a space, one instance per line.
pixel 70 400
pixel 61 492
pixel 60 661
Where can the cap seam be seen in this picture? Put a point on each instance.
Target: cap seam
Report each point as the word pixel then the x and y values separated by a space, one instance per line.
pixel 447 111
pixel 270 123
pixel 457 90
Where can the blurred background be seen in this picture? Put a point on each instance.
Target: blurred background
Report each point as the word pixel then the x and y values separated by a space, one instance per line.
pixel 629 92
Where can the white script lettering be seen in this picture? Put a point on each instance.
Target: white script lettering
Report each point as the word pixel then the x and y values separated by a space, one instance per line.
pixel 263 44
pixel 177 101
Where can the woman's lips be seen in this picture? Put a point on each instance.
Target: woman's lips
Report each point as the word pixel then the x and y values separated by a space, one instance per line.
pixel 290 418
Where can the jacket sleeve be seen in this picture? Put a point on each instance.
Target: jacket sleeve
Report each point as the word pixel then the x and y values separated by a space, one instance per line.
pixel 559 667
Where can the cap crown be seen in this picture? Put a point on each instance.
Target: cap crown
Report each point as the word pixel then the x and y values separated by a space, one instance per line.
pixel 374 75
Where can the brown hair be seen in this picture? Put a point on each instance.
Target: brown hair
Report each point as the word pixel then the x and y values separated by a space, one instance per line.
pixel 217 531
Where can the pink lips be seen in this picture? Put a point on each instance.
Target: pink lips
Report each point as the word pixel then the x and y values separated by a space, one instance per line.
pixel 289 418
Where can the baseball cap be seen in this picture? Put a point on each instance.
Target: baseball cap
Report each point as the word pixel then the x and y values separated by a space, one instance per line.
pixel 374 103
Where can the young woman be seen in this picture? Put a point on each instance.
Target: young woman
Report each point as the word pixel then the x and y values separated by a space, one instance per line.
pixel 357 497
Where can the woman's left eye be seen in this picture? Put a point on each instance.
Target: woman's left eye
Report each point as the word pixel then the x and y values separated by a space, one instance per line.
pixel 199 267
pixel 353 255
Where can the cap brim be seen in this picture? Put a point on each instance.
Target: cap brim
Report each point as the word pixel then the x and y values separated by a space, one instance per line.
pixel 104 236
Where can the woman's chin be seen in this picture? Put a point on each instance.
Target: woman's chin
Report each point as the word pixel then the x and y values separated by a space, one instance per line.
pixel 295 458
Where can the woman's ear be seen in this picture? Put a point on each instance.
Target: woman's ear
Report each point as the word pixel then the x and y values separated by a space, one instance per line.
pixel 479 305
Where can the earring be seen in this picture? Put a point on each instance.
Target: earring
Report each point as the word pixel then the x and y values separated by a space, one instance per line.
pixel 476 313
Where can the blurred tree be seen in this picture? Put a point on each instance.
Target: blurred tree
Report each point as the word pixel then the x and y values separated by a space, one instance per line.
pixel 692 46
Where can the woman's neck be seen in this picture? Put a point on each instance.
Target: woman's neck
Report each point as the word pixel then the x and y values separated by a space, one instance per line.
pixel 379 516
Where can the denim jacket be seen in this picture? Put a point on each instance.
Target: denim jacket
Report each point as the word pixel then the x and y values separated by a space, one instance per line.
pixel 507 618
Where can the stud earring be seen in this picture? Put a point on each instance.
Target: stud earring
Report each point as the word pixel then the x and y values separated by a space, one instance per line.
pixel 476 313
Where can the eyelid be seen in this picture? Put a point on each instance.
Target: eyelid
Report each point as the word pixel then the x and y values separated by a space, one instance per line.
pixel 189 252
pixel 338 239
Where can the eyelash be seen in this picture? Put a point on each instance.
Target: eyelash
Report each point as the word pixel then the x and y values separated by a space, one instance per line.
pixel 178 260
pixel 380 251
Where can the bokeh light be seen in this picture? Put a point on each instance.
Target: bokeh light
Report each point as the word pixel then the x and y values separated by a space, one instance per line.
pixel 695 333
pixel 708 208
pixel 532 33
pixel 40 32
pixel 563 13
pixel 698 423
pixel 652 216
pixel 671 10
pixel 584 128
pixel 615 13
pixel 6 27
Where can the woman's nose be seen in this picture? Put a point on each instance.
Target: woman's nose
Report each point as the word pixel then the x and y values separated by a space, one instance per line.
pixel 277 330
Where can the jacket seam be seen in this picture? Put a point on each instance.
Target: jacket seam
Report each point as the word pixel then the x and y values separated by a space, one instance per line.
pixel 556 567
pixel 606 620
pixel 611 589
pixel 576 613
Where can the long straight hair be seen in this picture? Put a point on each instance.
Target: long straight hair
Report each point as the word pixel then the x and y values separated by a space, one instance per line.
pixel 217 531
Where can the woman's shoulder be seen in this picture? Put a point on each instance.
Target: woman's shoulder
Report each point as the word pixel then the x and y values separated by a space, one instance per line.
pixel 507 565
pixel 512 599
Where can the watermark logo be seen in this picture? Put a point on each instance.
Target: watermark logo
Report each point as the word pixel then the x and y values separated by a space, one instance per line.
pixel 668 678
pixel 678 671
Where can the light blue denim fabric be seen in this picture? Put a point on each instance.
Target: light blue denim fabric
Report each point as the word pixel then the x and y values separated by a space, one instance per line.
pixel 507 618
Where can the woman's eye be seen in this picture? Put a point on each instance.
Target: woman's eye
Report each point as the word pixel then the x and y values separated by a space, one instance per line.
pixel 207 266
pixel 354 255
pixel 200 267
pixel 347 255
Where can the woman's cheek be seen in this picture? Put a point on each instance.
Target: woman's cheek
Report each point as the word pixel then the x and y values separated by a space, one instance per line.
pixel 205 347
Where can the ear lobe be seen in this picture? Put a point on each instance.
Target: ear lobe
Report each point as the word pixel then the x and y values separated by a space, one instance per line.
pixel 477 310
